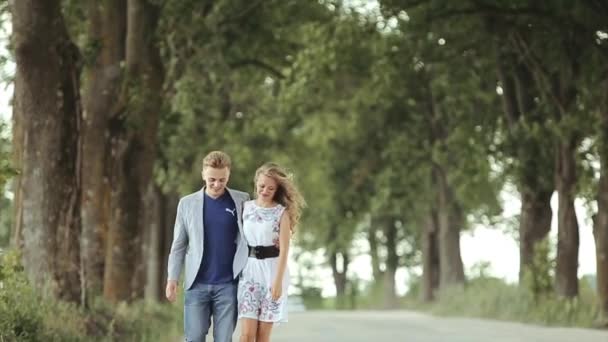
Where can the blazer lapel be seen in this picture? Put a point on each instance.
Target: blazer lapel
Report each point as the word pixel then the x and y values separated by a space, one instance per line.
pixel 238 203
pixel 199 225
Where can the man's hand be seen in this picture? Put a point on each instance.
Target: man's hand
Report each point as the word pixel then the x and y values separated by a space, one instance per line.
pixel 171 290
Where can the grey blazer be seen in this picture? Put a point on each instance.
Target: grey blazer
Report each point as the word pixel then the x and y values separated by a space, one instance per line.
pixel 188 237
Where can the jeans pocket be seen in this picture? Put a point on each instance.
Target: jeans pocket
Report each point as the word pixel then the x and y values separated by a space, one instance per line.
pixel 192 297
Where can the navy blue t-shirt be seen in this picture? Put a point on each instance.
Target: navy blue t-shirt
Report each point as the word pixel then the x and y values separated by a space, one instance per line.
pixel 220 230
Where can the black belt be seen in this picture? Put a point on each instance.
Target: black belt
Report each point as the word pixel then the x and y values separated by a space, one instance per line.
pixel 263 252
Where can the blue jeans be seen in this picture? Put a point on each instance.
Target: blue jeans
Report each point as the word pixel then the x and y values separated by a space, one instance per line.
pixel 204 301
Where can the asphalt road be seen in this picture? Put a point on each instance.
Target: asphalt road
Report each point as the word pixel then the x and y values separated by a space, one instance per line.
pixel 380 326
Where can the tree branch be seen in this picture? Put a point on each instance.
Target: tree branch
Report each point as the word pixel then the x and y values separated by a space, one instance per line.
pixel 237 17
pixel 492 10
pixel 544 75
pixel 258 64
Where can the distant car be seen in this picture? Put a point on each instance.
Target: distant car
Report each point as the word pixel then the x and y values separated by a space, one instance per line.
pixel 295 304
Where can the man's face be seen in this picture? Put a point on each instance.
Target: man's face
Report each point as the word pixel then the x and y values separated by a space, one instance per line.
pixel 215 180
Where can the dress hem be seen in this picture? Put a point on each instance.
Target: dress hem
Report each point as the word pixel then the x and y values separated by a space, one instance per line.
pixel 265 321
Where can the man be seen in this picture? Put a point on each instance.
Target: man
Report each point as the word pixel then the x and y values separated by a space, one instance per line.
pixel 208 234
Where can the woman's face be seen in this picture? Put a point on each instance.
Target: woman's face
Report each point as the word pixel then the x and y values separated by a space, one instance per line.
pixel 266 187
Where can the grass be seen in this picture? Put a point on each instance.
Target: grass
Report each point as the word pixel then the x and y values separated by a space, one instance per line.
pixel 27 316
pixel 493 298
pixel 484 297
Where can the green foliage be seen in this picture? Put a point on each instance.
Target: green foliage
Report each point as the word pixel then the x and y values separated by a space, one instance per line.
pixel 538 277
pixel 487 297
pixel 225 63
pixel 74 14
pixel 6 172
pixel 6 219
pixel 141 321
pixel 26 316
pixel 311 298
pixel 372 296
pixel 6 169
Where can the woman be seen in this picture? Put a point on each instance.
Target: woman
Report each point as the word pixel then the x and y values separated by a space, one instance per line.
pixel 268 223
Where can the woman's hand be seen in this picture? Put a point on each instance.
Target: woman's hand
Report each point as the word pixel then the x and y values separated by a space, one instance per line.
pixel 276 290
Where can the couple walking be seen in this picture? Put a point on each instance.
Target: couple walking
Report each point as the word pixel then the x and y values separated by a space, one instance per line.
pixel 235 252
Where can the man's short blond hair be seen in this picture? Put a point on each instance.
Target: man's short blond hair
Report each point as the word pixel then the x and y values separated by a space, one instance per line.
pixel 217 160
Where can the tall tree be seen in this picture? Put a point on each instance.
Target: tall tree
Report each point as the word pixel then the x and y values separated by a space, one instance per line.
pixel 103 76
pixel 47 108
pixel 526 141
pixel 7 172
pixel 430 258
pixel 600 222
pixel 596 70
pixel 133 132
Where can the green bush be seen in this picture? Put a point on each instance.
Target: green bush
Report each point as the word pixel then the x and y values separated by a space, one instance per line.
pixel 311 297
pixel 27 316
pixel 6 169
pixel 24 316
pixel 372 296
pixel 488 297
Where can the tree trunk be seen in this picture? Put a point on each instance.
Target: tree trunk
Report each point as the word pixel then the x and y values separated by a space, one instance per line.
pixel 133 149
pixel 106 28
pixel 449 216
pixel 535 167
pixel 451 270
pixel 430 258
pixel 534 225
pixel 47 107
pixel 160 220
pixel 339 274
pixel 373 249
pixel 170 202
pixel 18 146
pixel 155 219
pixel 566 275
pixel 392 262
pixel 600 233
pixel 600 222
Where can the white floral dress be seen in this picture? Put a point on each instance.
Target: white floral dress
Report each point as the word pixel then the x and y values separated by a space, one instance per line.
pixel 261 228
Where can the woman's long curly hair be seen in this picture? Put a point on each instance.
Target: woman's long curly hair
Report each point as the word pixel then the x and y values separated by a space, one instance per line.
pixel 287 194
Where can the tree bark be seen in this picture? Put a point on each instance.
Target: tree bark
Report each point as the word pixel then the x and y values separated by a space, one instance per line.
pixel 449 215
pixel 160 220
pixel 170 202
pixel 534 225
pixel 600 233
pixel 561 92
pixel 392 262
pixel 107 25
pixel 534 170
pixel 451 270
pixel 47 107
pixel 566 273
pixel 154 222
pixel 373 249
pixel 600 222
pixel 430 257
pixel 133 134
pixel 18 147
pixel 339 274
